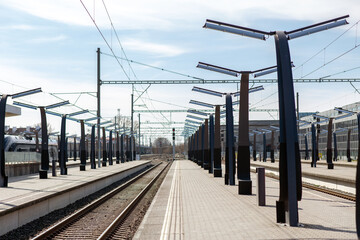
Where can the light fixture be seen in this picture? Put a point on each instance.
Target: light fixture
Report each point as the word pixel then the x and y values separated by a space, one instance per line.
pixel 55 105
pixel 25 93
pixel 201 104
pixel 312 30
pixel 25 105
pixel 218 69
pixel 225 27
pixel 194 117
pixel 103 123
pixel 78 113
pixel 207 91
pixel 91 119
pixel 54 113
pixel 197 112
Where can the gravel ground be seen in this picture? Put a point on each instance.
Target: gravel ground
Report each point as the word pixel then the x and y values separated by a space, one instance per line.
pixel 31 229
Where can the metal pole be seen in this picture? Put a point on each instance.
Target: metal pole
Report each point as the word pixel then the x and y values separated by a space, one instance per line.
pixel 98 107
pixel 329 143
pixel 117 148
pixel 230 142
pixel 44 146
pixel 313 142
pixel 206 145
pixel 173 143
pixel 357 203
pixel 110 152
pixel 254 148
pixel 63 169
pixel 3 177
pixel 217 144
pixel 348 153
pixel 82 147
pixel 211 133
pixel 139 138
pixel 92 148
pixel 264 147
pixel 289 166
pixel 132 124
pixel 335 147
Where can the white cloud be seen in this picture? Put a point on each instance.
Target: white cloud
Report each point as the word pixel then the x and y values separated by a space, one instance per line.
pixel 160 50
pixel 49 39
pixel 177 14
pixel 24 27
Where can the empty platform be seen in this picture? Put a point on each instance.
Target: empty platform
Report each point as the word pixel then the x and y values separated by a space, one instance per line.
pixel 192 204
pixel 28 197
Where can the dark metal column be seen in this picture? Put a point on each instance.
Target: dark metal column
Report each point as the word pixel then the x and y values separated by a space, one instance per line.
pixel 348 146
pixel 3 177
pixel 357 203
pixel 110 149
pixel 335 147
pixel 211 133
pixel 329 143
pixel 62 159
pixel 264 147
pixel 306 148
pixel 254 148
pixel 133 143
pixel 104 148
pixel 243 157
pixel 122 157
pixel 82 147
pixel 217 144
pixel 313 150
pixel 98 106
pixel 197 146
pixel 206 159
pixel 44 146
pixel 230 161
pixel 92 148
pixel 117 148
pixel 287 206
pixel 272 151
pixel 202 145
pixel 75 154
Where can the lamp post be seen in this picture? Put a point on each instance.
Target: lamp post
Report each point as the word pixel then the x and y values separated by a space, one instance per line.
pixel 290 167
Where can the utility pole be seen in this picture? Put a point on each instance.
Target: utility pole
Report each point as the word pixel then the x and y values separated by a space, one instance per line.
pixel 98 106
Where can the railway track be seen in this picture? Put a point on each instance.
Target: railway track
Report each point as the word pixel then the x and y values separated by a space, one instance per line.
pixel 319 188
pixel 99 219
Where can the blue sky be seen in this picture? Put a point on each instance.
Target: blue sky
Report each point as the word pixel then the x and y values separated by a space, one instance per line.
pixel 52 44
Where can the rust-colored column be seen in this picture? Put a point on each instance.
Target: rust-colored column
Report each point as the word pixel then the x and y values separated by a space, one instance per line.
pixel 217 144
pixel 243 157
pixel 329 143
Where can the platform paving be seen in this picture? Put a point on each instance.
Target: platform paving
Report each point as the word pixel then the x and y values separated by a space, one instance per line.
pixel 27 197
pixel 192 204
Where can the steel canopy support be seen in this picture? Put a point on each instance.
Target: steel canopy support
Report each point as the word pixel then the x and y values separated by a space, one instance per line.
pixel 314 147
pixel 211 136
pixel 335 147
pixel 62 158
pixel 92 148
pixel 117 148
pixel 306 148
pixel 357 203
pixel 122 158
pixel 75 154
pixel 243 157
pixel 287 206
pixel 3 177
pixel 264 147
pixel 230 151
pixel 254 148
pixel 110 152
pixel 206 159
pixel 104 148
pixel 82 147
pixel 348 153
pixel 329 143
pixel 272 149
pixel 44 146
pixel 217 144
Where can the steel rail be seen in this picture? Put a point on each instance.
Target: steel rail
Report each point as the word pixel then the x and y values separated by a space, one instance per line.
pixel 122 216
pixel 73 217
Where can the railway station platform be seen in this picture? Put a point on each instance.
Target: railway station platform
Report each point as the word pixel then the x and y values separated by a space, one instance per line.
pixel 342 177
pixel 27 197
pixel 192 204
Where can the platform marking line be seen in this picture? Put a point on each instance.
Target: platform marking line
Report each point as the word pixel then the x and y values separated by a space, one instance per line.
pixel 166 228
